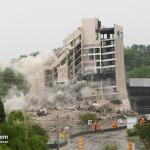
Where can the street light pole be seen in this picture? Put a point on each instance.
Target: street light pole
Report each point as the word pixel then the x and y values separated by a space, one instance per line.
pixel 57 134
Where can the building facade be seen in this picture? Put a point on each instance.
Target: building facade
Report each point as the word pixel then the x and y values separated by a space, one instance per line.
pixel 139 95
pixel 95 54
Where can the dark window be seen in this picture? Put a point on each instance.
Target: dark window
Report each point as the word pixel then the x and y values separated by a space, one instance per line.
pixel 108 56
pixel 63 61
pixel 97 63
pixel 72 43
pixel 99 24
pixel 103 50
pixel 113 55
pixel 106 70
pixel 79 37
pixel 97 57
pixel 112 69
pixel 91 50
pixel 118 33
pixel 97 50
pixel 107 63
pixel 97 36
pixel 98 70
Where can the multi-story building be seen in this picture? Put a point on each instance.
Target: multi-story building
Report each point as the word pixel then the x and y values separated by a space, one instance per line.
pixel 93 53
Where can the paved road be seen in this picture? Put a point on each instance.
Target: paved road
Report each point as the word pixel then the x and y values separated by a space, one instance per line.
pixel 96 141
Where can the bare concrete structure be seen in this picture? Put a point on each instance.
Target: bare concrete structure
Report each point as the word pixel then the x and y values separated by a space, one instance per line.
pixel 95 54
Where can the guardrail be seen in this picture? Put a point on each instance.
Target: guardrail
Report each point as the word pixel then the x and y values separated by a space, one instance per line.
pixel 98 131
pixel 54 145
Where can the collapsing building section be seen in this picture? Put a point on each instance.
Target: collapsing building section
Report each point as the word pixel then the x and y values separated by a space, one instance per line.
pixel 94 54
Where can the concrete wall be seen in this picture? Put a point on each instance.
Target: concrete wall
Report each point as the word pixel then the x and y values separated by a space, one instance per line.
pixel 88 31
pixel 139 82
pixel 71 37
pixel 120 69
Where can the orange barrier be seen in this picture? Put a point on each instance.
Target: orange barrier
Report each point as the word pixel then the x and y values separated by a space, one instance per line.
pixel 96 126
pixel 81 143
pixel 129 146
pixel 142 121
pixel 114 125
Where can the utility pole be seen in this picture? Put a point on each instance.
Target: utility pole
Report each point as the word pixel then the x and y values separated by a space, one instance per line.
pixel 57 134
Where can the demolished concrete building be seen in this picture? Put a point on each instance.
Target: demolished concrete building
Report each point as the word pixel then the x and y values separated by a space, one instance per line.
pixel 93 53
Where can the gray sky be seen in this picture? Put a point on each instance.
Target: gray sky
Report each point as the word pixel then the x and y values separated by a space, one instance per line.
pixel 40 25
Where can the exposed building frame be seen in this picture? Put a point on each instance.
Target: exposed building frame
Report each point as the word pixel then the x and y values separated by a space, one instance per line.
pixel 95 54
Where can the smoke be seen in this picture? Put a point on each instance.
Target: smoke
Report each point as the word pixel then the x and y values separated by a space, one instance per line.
pixel 108 89
pixel 68 95
pixel 39 95
pixel 4 64
pixel 33 70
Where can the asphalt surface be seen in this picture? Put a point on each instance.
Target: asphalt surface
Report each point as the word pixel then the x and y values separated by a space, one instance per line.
pixel 98 140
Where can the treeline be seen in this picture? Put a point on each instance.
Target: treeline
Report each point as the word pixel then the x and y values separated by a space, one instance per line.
pixel 34 54
pixel 10 78
pixel 137 61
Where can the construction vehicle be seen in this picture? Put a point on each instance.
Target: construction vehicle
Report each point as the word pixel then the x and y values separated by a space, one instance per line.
pixel 41 112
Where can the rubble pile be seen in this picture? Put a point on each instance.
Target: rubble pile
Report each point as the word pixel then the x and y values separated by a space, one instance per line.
pixel 70 117
pixel 107 110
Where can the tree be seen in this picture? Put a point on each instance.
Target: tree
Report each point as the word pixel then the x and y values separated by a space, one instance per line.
pixel 34 54
pixel 10 78
pixel 2 112
pixel 140 72
pixel 4 147
pixel 137 61
pixel 144 133
pixel 131 132
pixel 15 116
pixel 8 75
pixel 88 116
pixel 23 134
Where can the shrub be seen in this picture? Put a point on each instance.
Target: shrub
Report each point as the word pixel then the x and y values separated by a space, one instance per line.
pixel 144 133
pixel 110 145
pixel 131 132
pixel 88 116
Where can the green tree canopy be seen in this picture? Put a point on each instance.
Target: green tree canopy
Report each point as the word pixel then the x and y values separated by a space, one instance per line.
pixel 141 72
pixel 144 133
pixel 88 116
pixel 10 78
pixel 15 116
pixel 23 134
pixel 137 61
pixel 2 112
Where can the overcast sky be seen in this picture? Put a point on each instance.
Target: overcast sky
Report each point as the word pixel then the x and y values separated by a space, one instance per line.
pixel 40 25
